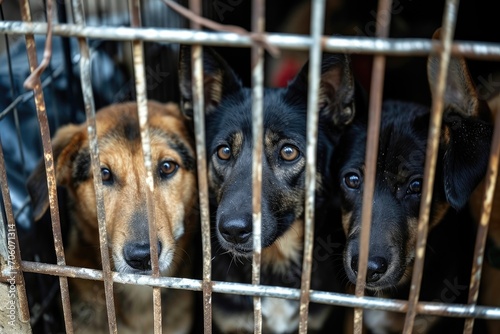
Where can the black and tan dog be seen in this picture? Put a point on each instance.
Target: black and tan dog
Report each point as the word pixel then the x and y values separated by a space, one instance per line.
pixel 124 188
pixel 229 153
pixel 462 159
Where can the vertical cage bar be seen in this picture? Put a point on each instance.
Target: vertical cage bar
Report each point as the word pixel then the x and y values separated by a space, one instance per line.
pixel 258 23
pixel 88 99
pixel 449 20
pixel 13 243
pixel 482 231
pixel 317 24
pixel 201 162
pixel 142 108
pixel 49 166
pixel 372 139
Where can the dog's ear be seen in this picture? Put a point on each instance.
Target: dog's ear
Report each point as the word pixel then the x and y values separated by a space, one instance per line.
pixel 218 79
pixel 466 135
pixel 64 146
pixel 336 97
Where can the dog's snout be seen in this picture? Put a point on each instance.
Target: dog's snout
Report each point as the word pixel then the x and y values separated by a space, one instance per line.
pixel 138 255
pixel 237 231
pixel 377 267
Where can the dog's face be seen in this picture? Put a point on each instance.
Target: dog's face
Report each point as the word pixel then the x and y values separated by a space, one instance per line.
pixel 462 160
pixel 229 145
pixel 124 182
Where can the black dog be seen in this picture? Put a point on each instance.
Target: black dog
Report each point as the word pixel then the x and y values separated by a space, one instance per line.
pixel 462 160
pixel 229 148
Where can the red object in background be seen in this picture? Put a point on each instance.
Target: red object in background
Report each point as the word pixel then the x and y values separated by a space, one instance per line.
pixel 286 72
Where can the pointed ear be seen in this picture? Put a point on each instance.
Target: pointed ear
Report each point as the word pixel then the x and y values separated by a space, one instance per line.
pixel 64 147
pixel 466 136
pixel 218 79
pixel 336 97
pixel 460 94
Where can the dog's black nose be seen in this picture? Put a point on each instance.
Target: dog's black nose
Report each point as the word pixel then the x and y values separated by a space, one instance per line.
pixel 138 256
pixel 236 231
pixel 377 266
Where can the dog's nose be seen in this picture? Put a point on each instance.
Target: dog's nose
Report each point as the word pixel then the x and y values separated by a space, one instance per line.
pixel 138 256
pixel 377 266
pixel 236 231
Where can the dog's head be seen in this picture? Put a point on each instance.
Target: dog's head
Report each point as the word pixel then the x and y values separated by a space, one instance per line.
pixel 462 160
pixel 124 183
pixel 229 144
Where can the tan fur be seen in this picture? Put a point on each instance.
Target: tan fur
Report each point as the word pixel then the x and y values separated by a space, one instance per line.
pixel 173 201
pixel 285 250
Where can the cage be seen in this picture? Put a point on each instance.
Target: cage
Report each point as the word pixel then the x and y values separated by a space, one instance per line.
pixel 101 53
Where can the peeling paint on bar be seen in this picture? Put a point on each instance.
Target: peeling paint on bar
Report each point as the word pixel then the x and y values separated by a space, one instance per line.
pixel 142 109
pixel 88 98
pixel 331 298
pixel 372 139
pixel 449 20
pixel 363 45
pixel 315 55
pixel 49 167
pixel 258 23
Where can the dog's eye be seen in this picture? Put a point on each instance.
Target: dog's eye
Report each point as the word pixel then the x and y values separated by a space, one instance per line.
pixel 289 153
pixel 415 187
pixel 224 152
pixel 168 168
pixel 352 180
pixel 106 176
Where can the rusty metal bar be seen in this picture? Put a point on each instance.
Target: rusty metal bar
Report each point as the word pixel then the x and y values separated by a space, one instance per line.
pixel 317 24
pixel 142 108
pixel 88 99
pixel 449 20
pixel 329 298
pixel 12 244
pixel 375 110
pixel 201 162
pixel 362 45
pixel 49 166
pixel 482 231
pixel 258 24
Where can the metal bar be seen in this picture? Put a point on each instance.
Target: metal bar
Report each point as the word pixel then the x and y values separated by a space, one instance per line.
pixel 201 162
pixel 88 99
pixel 49 166
pixel 375 110
pixel 449 20
pixel 142 108
pixel 317 24
pixel 329 298
pixel 361 45
pixel 482 231
pixel 258 24
pixel 13 259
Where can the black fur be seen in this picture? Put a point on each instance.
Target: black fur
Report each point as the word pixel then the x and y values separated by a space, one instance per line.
pixel 461 164
pixel 229 155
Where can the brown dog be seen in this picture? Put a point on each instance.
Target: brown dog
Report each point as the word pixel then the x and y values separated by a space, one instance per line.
pixel 124 188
